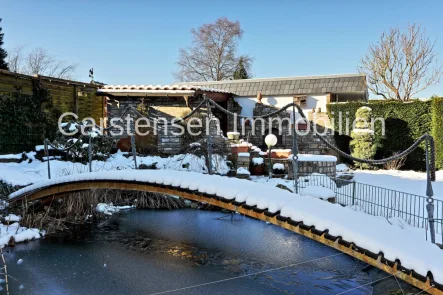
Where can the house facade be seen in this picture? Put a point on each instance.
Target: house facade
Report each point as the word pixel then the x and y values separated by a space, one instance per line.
pixel 249 97
pixel 255 97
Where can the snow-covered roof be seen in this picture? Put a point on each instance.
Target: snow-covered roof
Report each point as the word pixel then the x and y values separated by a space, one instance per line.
pixel 157 89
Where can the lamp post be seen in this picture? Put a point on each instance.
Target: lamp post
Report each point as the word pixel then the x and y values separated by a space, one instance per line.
pixel 270 140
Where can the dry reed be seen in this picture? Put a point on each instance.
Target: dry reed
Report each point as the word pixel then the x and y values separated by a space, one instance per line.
pixel 58 214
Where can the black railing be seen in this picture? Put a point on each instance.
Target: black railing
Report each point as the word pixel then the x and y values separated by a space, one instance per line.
pixel 378 201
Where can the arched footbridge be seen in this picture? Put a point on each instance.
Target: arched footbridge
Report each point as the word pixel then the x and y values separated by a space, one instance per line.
pixel 362 236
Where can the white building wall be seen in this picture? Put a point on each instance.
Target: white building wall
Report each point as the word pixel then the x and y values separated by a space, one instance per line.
pixel 314 101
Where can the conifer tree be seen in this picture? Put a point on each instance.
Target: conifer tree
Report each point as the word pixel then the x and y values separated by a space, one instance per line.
pixel 3 53
pixel 240 70
pixel 362 143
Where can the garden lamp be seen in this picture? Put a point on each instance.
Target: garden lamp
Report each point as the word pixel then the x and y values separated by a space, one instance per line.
pixel 270 140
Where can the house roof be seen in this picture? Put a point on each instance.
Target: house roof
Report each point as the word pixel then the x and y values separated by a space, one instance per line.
pixel 137 90
pixel 347 83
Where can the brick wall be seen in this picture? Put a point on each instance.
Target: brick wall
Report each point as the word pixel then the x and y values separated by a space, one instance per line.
pixel 307 168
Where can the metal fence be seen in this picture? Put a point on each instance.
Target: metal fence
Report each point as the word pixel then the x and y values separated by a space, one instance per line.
pixel 379 201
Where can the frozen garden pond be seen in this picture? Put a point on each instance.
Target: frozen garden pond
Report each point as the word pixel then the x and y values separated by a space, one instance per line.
pixel 149 252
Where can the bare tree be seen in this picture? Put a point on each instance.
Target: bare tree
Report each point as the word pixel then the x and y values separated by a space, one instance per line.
pixel 401 64
pixel 15 59
pixel 213 54
pixel 39 61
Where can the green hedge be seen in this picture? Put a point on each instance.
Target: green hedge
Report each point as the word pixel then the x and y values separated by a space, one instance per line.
pixel 26 120
pixel 404 123
pixel 437 129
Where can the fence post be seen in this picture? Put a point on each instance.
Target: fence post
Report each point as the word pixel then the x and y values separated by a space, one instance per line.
pixel 47 156
pixel 353 193
pixel 208 139
pixel 294 151
pixel 429 194
pixel 133 147
pixel 90 153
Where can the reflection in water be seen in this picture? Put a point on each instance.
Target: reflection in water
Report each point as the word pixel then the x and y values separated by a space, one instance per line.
pixel 144 252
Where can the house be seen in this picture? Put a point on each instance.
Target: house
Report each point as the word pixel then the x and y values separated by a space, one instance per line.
pixel 254 97
pixel 249 97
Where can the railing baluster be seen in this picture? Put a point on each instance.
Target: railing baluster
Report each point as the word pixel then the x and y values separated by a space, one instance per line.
pixel 46 146
pixel 90 153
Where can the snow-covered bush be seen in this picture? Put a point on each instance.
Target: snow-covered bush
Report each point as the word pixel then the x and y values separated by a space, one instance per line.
pixel 197 145
pixel 101 143
pixel 362 143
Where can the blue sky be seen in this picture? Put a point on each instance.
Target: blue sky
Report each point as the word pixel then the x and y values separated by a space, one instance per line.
pixel 137 42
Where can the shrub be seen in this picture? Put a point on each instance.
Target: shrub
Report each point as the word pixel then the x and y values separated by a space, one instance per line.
pixel 101 143
pixel 362 143
pixel 437 129
pixel 396 164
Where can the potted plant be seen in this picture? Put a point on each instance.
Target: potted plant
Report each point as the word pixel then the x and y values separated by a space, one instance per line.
pixel 257 166
pixel 233 135
pixel 278 168
pixel 243 147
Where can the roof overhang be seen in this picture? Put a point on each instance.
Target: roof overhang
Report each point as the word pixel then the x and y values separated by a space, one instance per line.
pixel 138 93
pixel 158 90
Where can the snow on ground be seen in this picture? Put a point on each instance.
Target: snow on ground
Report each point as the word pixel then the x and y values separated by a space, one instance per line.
pixel 110 209
pixel 11 156
pixel 411 182
pixel 318 192
pixel 342 168
pixel 406 181
pixel 12 218
pixel 369 232
pixel 273 181
pixel 18 233
pixel 26 173
pixel 243 171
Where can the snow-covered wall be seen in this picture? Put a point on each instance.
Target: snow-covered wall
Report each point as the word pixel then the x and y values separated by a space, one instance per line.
pixel 314 101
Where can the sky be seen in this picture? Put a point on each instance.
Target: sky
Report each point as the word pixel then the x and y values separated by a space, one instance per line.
pixel 137 42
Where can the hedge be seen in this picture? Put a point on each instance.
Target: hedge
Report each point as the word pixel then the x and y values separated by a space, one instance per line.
pixel 437 129
pixel 404 124
pixel 26 120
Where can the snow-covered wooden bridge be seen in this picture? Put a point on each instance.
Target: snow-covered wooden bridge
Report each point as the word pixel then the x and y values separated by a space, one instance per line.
pixel 362 236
